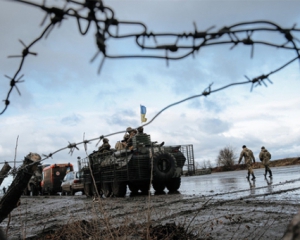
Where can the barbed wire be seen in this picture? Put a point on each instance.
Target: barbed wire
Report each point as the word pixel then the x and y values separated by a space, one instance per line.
pixel 255 82
pixel 240 33
pixel 227 35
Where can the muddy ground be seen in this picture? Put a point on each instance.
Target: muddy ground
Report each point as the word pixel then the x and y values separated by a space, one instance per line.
pixel 206 217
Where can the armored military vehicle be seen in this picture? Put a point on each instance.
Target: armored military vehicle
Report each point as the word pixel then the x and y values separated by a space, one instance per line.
pixel 148 162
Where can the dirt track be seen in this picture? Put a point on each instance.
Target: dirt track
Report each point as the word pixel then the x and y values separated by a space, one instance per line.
pixel 253 217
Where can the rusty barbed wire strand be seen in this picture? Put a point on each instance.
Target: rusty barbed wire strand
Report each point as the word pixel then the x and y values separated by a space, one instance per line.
pixel 104 33
pixel 256 81
pixel 208 39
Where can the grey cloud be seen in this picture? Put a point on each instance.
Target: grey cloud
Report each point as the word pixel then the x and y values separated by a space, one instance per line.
pixel 123 118
pixel 202 104
pixel 196 104
pixel 213 126
pixel 141 79
pixel 72 120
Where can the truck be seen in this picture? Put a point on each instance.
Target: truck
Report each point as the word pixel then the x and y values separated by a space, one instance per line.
pixel 109 173
pixel 52 177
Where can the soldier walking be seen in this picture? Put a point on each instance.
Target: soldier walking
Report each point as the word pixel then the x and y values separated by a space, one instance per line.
pixel 265 157
pixel 247 154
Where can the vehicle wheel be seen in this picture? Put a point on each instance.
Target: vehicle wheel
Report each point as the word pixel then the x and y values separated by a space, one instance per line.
pixel 97 190
pixel 164 166
pixel 119 188
pixel 32 190
pixel 158 186
pixel 174 184
pixel 72 192
pixel 133 188
pixel 88 190
pixel 106 189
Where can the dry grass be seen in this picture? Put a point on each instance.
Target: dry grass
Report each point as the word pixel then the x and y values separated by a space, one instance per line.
pixel 101 225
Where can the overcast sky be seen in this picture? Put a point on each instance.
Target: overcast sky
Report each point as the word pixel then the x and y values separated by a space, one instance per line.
pixel 64 98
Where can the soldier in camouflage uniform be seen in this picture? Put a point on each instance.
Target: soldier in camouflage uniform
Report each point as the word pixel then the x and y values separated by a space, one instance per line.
pixel 265 157
pixel 140 131
pixel 132 132
pixel 105 147
pixel 124 141
pixel 247 154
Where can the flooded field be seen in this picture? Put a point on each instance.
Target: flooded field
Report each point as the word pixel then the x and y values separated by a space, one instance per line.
pixel 215 206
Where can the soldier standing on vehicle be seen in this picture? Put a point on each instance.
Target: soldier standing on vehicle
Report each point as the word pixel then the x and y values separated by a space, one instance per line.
pixel 140 131
pixel 124 141
pixel 105 147
pixel 132 133
pixel 265 157
pixel 248 156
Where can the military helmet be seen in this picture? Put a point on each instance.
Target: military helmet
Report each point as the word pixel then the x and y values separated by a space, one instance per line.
pixel 262 147
pixel 244 146
pixel 140 129
pixel 129 129
pixel 105 140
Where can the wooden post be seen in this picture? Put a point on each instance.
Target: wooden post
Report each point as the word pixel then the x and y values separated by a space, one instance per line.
pixel 5 169
pixel 12 197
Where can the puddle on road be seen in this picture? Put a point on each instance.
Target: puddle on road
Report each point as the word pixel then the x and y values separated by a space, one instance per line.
pixel 233 185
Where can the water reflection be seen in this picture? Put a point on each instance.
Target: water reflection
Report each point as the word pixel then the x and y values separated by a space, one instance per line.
pixel 252 186
pixel 269 183
pixel 228 180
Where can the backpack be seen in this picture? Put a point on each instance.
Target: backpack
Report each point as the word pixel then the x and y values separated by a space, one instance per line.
pixel 268 154
pixel 247 154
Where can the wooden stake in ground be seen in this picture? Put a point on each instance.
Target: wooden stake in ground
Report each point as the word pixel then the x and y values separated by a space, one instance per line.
pixel 5 169
pixel 11 199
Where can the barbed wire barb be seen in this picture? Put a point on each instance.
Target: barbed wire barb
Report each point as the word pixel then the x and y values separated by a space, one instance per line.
pixel 239 33
pixel 99 14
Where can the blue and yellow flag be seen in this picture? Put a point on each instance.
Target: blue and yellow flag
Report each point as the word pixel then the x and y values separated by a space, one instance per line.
pixel 143 114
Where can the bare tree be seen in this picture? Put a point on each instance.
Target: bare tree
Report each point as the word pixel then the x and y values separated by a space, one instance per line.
pixel 226 157
pixel 206 164
pixel 197 165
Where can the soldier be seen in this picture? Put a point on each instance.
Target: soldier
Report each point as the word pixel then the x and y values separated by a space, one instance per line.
pixel 125 139
pixel 123 143
pixel 140 131
pixel 265 157
pixel 132 133
pixel 105 147
pixel 248 156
